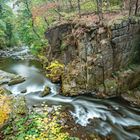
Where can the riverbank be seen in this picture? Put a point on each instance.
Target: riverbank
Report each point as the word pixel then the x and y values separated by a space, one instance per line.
pixel 97 58
pixel 18 53
pixel 79 116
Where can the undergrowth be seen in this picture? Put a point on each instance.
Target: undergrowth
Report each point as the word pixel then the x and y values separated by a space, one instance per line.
pixel 36 126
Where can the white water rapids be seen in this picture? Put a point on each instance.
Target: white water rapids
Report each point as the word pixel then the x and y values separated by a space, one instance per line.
pixel 113 117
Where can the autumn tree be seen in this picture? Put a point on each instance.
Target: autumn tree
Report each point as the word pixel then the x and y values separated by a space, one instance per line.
pixel 31 17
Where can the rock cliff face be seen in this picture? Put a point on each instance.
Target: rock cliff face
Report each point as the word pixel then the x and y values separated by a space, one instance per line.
pixel 94 55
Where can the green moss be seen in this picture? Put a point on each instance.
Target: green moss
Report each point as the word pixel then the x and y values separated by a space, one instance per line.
pixel 63 46
pixel 16 80
pixel 110 84
pixel 4 91
pixel 88 6
pixel 37 126
pixel 19 106
pixel 55 70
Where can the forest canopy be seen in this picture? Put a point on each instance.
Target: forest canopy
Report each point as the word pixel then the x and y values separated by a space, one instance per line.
pixel 23 22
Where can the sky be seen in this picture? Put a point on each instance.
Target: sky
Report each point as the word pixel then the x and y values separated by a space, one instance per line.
pixel 14 7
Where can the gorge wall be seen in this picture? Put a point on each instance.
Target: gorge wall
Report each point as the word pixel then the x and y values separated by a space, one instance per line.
pixel 96 57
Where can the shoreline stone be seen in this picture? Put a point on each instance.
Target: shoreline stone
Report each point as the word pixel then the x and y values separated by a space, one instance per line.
pixel 46 92
pixel 16 80
pixel 18 53
pixel 10 79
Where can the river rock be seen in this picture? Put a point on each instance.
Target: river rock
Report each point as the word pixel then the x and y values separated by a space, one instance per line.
pixel 45 92
pixel 9 78
pixel 19 106
pixel 17 53
pixel 5 77
pixel 4 91
pixel 16 80
pixel 24 91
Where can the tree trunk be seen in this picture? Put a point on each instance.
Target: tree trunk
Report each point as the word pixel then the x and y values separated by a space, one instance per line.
pixel 108 5
pixel 58 10
pixel 130 7
pixel 0 9
pixel 79 8
pixel 70 3
pixel 31 16
pixel 99 9
pixel 136 7
pixel 46 21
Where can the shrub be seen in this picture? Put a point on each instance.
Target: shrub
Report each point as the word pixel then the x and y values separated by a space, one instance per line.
pixel 4 109
pixel 55 70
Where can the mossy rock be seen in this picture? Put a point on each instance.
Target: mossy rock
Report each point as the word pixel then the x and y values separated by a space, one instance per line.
pixel 5 77
pixel 24 91
pixel 4 91
pixel 19 106
pixel 45 92
pixel 16 80
pixel 129 79
pixel 54 71
pixel 111 86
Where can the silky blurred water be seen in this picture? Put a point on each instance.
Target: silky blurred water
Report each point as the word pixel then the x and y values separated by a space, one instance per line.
pixel 115 117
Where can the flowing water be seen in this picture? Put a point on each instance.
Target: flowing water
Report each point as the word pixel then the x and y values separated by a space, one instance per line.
pixel 115 116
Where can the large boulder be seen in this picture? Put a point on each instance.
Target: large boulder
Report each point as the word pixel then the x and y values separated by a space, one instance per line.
pixel 19 106
pixel 16 80
pixel 98 52
pixel 10 79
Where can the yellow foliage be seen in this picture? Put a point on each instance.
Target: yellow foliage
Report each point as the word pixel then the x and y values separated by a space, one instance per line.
pixel 55 64
pixel 55 70
pixel 43 60
pixel 51 129
pixel 4 109
pixel 38 21
pixel 1 91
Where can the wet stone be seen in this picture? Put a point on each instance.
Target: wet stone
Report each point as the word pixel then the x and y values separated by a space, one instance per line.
pixel 24 91
pixel 16 80
pixel 45 92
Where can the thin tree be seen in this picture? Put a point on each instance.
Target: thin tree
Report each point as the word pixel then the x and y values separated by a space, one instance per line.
pixel 99 9
pixel 79 8
pixel 70 3
pixel 136 7
pixel 107 5
pixel 0 8
pixel 26 2
pixel 130 7
pixel 58 9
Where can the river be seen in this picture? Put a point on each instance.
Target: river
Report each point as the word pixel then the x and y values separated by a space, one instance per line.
pixel 114 116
